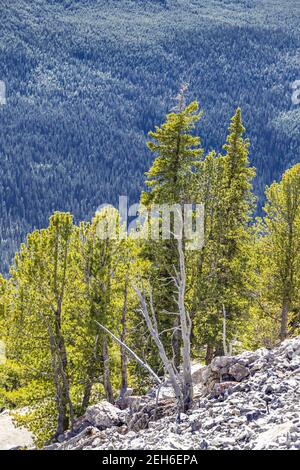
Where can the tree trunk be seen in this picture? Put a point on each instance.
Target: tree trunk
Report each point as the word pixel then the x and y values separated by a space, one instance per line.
pixel 107 383
pixel 69 423
pixel 176 344
pixel 209 354
pixel 90 376
pixel 124 376
pixel 59 352
pixel 186 328
pixel 63 366
pixel 152 326
pixel 284 320
pixel 86 395
pixel 188 381
pixel 62 420
pixel 187 371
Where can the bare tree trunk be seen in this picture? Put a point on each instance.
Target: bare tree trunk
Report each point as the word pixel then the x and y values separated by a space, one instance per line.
pixel 124 376
pixel 153 329
pixel 182 385
pixel 86 395
pixel 176 344
pixel 186 328
pixel 107 382
pixel 284 320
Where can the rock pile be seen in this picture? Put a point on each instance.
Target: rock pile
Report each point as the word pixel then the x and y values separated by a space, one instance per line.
pixel 12 437
pixel 251 401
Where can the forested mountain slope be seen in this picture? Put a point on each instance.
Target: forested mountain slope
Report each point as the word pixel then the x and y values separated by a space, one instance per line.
pixel 86 80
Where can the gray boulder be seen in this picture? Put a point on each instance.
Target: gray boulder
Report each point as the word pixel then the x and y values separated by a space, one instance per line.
pixel 104 415
pixel 239 372
pixel 222 362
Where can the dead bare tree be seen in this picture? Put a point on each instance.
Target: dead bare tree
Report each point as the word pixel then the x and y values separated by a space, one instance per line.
pixel 151 322
pixel 181 382
pixel 186 329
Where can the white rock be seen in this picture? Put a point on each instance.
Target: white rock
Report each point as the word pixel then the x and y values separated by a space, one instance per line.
pixel 220 422
pixel 104 415
pixel 270 436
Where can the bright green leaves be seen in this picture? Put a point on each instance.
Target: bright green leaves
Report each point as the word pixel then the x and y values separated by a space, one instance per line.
pixel 178 154
pixel 281 243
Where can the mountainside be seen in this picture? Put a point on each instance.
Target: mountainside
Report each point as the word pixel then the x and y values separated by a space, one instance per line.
pixel 86 80
pixel 255 407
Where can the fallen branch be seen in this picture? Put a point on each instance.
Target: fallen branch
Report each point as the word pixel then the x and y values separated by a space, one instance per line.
pixel 142 363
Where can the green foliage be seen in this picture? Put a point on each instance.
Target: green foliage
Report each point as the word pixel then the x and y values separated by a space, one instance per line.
pixel 280 245
pixel 171 180
pixel 68 278
pixel 225 183
pixel 65 278
pixel 177 156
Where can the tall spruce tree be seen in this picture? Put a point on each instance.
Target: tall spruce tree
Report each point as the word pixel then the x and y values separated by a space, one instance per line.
pixel 177 154
pixel 225 184
pixel 171 180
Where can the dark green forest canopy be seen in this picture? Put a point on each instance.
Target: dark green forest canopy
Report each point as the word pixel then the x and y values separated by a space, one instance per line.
pixel 86 80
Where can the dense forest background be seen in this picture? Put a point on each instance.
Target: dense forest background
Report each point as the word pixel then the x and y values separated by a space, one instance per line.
pixel 86 80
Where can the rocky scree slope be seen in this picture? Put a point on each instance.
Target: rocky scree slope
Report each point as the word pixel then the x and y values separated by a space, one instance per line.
pixel 248 402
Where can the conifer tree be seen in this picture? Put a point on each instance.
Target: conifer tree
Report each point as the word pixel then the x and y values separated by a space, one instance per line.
pixel 177 153
pixel 66 279
pixel 281 245
pixel 36 322
pixel 99 247
pixel 225 184
pixel 171 180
